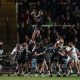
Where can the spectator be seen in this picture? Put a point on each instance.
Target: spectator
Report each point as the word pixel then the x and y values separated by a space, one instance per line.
pixel 43 5
pixel 62 21
pixel 78 30
pixel 40 18
pixel 33 16
pixel 28 29
pixel 26 16
pixel 49 21
pixel 21 32
pixel 26 5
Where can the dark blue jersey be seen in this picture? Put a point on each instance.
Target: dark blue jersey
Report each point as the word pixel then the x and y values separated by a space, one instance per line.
pixel 30 47
pixel 18 55
pixel 39 51
pixel 23 54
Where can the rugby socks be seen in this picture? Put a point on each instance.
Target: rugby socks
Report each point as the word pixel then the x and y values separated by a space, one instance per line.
pixel 29 69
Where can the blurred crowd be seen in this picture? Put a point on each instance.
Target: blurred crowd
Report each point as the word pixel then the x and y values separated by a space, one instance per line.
pixel 58 11
pixel 49 12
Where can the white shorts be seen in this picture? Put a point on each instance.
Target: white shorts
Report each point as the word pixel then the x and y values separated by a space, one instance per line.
pixel 72 58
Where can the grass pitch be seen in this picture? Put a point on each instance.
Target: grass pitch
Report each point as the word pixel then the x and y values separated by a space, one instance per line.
pixel 5 77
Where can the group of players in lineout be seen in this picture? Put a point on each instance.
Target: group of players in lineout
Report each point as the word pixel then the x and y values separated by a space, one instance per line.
pixel 46 55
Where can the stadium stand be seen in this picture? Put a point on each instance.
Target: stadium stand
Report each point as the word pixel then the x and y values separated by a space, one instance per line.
pixel 62 14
